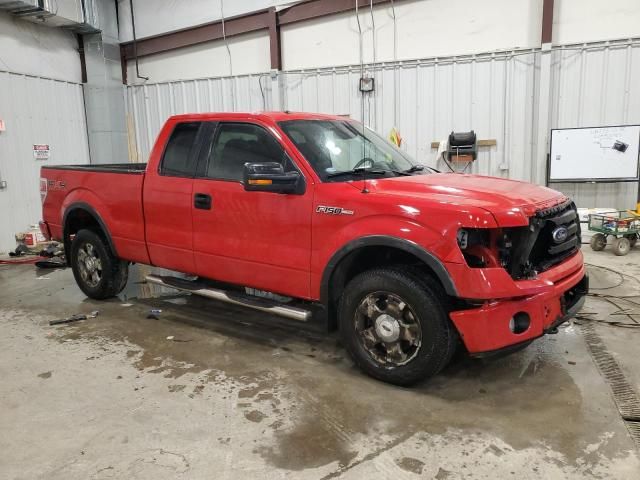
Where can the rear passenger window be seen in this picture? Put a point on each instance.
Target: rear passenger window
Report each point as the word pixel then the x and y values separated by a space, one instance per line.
pixel 179 159
pixel 238 143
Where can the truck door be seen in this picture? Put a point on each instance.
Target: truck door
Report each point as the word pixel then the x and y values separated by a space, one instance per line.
pixel 168 199
pixel 257 239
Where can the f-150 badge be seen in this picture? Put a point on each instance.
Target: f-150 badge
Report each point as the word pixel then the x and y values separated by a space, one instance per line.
pixel 333 210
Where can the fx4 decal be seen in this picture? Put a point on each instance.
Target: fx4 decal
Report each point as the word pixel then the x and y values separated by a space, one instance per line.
pixel 333 210
pixel 56 185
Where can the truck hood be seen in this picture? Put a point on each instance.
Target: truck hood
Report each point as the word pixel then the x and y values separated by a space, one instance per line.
pixel 511 202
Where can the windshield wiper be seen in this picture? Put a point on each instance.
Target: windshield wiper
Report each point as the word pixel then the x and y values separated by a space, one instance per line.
pixel 409 171
pixel 418 168
pixel 414 168
pixel 357 171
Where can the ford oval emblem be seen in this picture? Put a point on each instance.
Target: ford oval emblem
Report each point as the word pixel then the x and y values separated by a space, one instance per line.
pixel 560 234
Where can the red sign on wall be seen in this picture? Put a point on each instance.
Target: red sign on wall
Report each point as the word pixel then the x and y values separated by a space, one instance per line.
pixel 41 152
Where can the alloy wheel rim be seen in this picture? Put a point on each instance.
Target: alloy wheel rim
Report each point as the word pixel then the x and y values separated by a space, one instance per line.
pixel 89 265
pixel 388 329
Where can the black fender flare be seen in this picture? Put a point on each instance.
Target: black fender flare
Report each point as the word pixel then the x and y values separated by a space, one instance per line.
pixel 386 241
pixel 91 211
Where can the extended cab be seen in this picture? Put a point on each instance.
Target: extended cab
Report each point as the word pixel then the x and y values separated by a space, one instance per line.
pixel 302 214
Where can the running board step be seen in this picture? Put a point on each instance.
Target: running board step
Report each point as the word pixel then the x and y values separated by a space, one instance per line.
pixel 235 298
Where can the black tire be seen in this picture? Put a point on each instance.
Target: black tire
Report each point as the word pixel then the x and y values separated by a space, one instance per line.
pixel 621 246
pixel 103 275
pixel 428 306
pixel 598 241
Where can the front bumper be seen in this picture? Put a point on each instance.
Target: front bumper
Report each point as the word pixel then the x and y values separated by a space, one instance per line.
pixel 487 329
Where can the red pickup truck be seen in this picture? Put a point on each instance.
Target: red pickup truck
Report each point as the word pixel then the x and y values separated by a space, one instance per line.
pixel 312 216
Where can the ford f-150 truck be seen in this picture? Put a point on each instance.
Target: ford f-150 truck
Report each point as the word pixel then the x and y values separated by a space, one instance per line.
pixel 312 216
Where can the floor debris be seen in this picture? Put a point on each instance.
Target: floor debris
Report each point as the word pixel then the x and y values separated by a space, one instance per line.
pixel 75 318
pixel 56 262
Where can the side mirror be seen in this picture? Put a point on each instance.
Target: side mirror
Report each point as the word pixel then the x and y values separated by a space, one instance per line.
pixel 271 177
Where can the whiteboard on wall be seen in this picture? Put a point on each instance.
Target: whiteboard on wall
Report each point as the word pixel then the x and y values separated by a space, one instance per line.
pixel 594 154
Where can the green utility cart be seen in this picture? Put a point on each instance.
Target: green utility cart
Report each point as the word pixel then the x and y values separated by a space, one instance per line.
pixel 623 225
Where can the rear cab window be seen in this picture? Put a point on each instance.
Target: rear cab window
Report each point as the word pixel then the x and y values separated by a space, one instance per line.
pixel 179 158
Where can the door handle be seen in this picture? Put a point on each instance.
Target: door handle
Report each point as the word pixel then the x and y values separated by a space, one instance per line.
pixel 202 201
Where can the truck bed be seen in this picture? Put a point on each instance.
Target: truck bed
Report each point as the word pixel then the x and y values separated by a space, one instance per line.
pixel 106 168
pixel 112 191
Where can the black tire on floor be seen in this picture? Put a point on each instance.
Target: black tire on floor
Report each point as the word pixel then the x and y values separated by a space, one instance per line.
pixel 621 246
pixel 598 241
pixel 98 273
pixel 426 304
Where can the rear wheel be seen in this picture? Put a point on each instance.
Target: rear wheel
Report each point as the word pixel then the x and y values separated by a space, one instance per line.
pixel 598 242
pixel 632 239
pixel 98 273
pixel 395 325
pixel 621 246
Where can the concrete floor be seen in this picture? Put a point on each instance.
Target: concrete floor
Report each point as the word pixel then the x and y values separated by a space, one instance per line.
pixel 234 395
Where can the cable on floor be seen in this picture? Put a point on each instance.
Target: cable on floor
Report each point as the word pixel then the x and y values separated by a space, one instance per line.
pixel 611 299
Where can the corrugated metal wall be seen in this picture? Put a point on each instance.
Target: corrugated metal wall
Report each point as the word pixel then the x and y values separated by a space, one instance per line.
pixel 595 85
pixel 491 94
pixel 35 110
pixel 495 94
pixel 150 105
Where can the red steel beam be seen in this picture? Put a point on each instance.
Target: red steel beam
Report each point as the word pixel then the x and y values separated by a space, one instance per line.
pixel 547 21
pixel 321 8
pixel 123 65
pixel 195 35
pixel 274 40
pixel 251 22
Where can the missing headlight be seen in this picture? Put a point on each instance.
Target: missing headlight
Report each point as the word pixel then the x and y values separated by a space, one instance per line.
pixel 475 245
pixel 463 238
pixel 468 237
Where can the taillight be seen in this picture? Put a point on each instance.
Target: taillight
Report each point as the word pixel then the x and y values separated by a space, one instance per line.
pixel 43 189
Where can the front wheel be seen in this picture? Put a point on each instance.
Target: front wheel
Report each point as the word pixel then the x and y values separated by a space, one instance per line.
pixel 98 273
pixel 395 325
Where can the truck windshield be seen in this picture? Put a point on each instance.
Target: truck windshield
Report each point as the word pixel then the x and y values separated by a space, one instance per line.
pixel 340 150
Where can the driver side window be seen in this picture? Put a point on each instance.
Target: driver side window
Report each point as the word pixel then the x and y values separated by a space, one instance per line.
pixel 235 144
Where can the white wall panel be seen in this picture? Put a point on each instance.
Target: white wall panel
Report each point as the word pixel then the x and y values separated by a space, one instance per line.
pixel 424 29
pixel 38 50
pixel 593 20
pixel 36 110
pixel 597 85
pixel 249 54
pixel 150 105
pixel 154 17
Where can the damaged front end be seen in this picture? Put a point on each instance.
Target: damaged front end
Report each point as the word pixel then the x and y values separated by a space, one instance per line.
pixel 520 282
pixel 553 235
